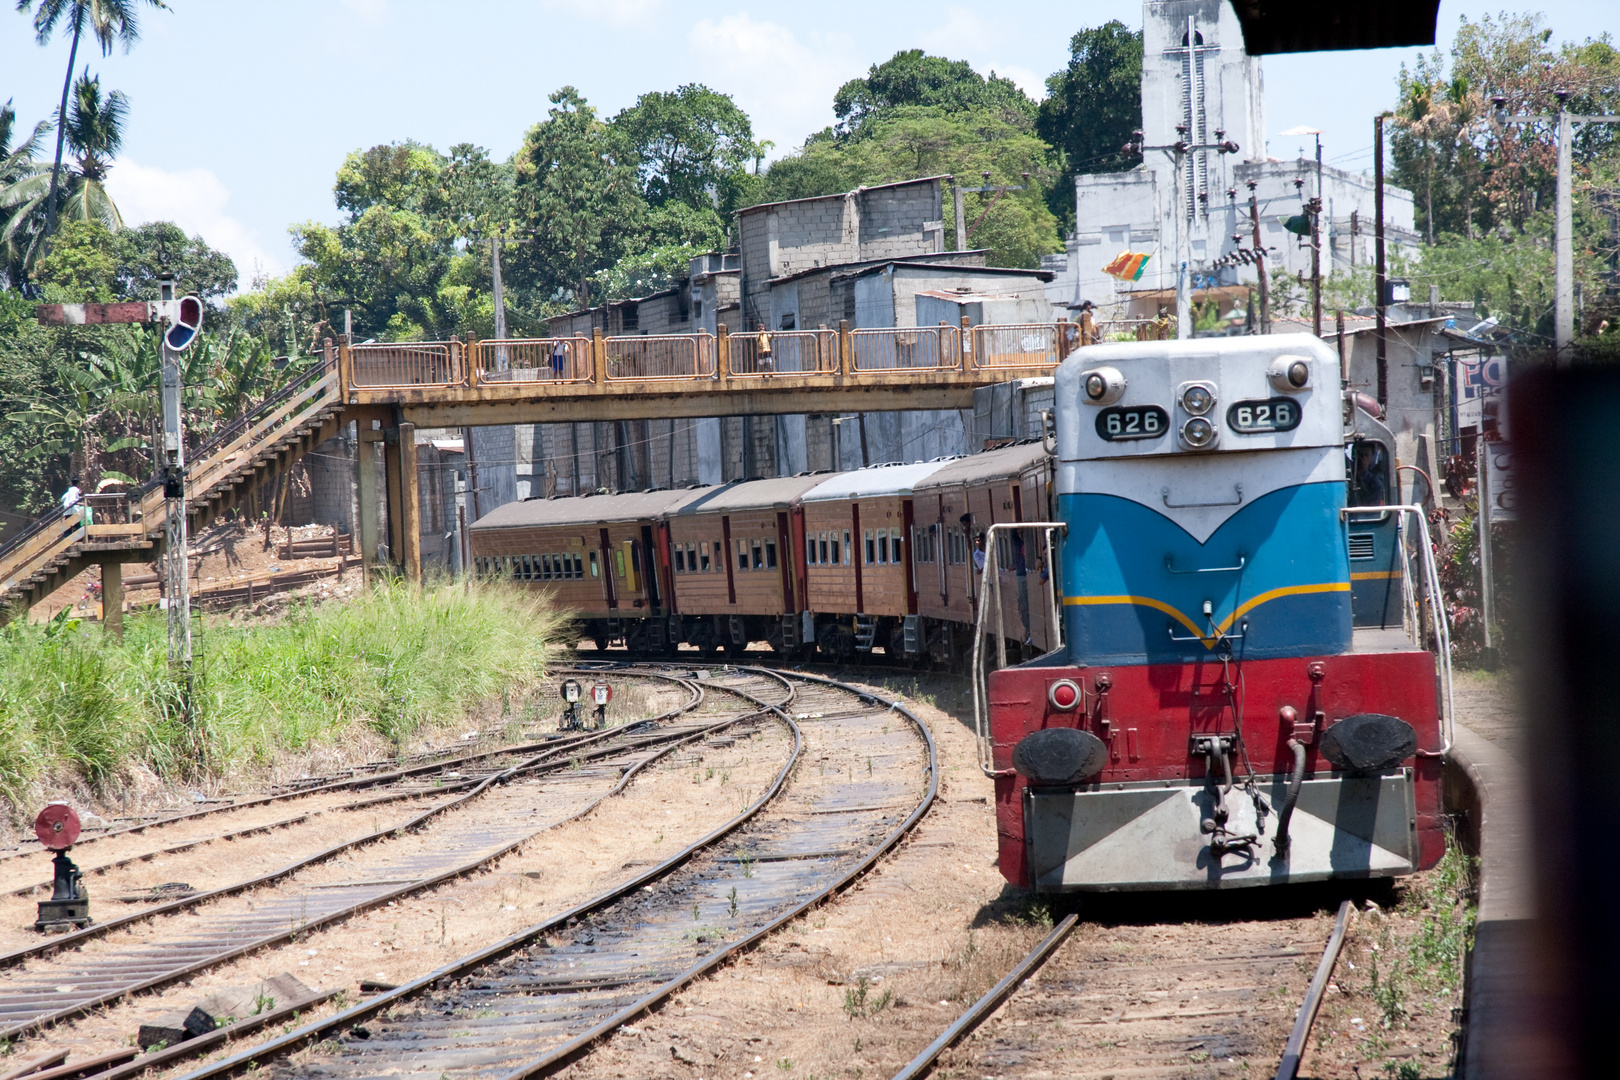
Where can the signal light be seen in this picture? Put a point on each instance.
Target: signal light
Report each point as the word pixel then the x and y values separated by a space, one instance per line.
pixel 1064 695
pixel 185 323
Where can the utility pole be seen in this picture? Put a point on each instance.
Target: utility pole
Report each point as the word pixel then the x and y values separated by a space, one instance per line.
pixel 1260 259
pixel 1378 254
pixel 962 228
pixel 1316 244
pixel 1563 215
pixel 1176 151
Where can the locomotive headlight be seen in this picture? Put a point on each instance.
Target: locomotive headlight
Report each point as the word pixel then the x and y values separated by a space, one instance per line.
pixel 1198 434
pixel 1290 374
pixel 1198 398
pixel 1102 386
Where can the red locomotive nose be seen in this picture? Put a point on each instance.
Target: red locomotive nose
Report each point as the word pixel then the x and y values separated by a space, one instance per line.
pixel 1064 695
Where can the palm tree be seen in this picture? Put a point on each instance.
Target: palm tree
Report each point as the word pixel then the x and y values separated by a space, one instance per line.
pixel 15 163
pixel 110 21
pixel 94 133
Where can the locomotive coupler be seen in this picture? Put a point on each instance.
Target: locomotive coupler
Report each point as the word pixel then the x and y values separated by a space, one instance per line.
pixel 1211 747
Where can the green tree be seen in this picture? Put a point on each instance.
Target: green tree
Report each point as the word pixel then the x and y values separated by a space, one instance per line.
pixel 1092 106
pixel 82 266
pixel 911 77
pixel 16 162
pixel 95 133
pixel 692 145
pixel 578 195
pixel 110 21
pixel 910 141
pixel 159 248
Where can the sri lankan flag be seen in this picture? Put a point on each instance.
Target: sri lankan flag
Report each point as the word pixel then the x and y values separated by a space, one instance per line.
pixel 1128 265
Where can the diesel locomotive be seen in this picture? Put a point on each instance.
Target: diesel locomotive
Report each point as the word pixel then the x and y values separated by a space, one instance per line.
pixel 1243 695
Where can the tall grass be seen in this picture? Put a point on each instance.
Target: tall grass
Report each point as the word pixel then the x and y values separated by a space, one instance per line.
pixel 77 710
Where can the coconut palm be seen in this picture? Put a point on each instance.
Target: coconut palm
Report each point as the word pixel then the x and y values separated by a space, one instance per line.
pixel 109 21
pixel 95 131
pixel 16 162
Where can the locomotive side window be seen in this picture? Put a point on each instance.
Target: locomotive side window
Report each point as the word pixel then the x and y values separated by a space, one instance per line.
pixel 1369 473
pixel 1121 422
pixel 1263 415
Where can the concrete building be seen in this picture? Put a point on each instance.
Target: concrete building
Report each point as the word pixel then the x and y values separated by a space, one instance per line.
pixel 1197 76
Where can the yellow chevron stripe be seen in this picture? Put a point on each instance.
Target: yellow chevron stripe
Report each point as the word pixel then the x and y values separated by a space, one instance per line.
pixel 1209 640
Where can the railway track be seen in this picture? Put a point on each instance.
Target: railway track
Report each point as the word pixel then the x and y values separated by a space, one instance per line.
pixel 864 770
pixel 74 973
pixel 1166 1000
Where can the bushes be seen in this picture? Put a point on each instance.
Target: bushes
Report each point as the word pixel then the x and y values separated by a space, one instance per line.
pixel 78 710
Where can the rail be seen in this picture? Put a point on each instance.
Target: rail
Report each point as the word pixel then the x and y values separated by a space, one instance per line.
pixel 921 348
pixel 786 352
pixel 522 360
pixel 404 365
pixel 992 574
pixel 1428 575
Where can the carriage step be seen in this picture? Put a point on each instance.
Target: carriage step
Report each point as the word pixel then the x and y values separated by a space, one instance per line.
pixel 865 632
pixel 913 637
pixel 790 632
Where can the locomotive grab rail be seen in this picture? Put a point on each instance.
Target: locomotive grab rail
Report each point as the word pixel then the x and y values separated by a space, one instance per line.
pixel 1164 493
pixel 1169 565
pixel 992 573
pixel 1437 608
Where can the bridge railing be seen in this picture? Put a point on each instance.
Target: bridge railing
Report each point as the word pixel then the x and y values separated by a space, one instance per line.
pixel 658 357
pixel 791 352
pixel 525 360
pixel 919 348
pixel 404 364
pixel 1024 345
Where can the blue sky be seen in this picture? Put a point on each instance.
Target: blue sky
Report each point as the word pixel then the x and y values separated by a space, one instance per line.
pixel 242 110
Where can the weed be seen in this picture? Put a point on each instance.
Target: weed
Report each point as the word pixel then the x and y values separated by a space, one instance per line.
pixel 708 773
pixel 784 1064
pixel 694 912
pixel 734 901
pixel 747 863
pixel 869 766
pixel 860 1005
pixel 725 777
pixel 263 1003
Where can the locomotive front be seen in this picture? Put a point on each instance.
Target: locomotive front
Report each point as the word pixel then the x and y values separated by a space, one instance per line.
pixel 1214 719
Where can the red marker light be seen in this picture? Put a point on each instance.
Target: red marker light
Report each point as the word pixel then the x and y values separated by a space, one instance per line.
pixel 1064 695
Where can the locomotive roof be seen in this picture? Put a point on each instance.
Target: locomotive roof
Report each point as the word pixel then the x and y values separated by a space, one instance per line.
pixel 872 482
pixel 987 465
pixel 777 493
pixel 586 509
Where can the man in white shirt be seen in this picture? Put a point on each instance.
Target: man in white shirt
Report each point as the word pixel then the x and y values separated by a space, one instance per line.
pixel 72 501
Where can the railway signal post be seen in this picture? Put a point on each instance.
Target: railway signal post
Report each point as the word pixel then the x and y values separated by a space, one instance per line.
pixel 57 827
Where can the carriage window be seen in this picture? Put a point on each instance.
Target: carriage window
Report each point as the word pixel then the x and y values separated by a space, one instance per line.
pixel 703 557
pixel 719 556
pixel 894 545
pixel 742 554
pixel 871 552
pixel 849 550
pixel 770 554
pixel 680 559
pixel 537 567
pixel 810 551
pixel 759 556
pixel 594 571
pixel 618 562
pixel 824 549
pixel 837 556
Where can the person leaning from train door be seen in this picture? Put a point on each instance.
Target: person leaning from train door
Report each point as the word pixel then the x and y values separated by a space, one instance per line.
pixel 1021 568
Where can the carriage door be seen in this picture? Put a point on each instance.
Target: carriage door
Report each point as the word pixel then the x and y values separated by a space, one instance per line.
pixel 649 566
pixel 609 591
pixel 908 521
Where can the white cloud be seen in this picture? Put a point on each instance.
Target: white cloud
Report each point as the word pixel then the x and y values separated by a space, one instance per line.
pixel 785 85
pixel 195 200
pixel 613 12
pixel 965 35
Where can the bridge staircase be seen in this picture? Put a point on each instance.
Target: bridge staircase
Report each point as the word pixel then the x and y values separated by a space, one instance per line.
pixel 129 526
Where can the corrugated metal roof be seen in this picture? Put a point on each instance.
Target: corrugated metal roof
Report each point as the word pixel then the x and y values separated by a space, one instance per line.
pixel 872 482
pixel 990 464
pixel 777 493
pixel 586 509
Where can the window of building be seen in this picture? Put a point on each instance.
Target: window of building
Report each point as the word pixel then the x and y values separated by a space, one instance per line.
pixel 770 554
